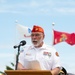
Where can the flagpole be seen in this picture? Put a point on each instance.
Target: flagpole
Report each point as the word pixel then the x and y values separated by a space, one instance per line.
pixel 15 41
pixel 52 32
pixel 53 24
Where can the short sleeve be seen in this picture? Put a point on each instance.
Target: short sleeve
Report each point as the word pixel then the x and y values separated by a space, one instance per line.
pixel 56 60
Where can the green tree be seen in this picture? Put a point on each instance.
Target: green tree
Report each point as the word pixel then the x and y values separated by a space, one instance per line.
pixel 10 68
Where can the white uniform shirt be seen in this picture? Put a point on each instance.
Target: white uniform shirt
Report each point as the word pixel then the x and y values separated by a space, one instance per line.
pixel 45 55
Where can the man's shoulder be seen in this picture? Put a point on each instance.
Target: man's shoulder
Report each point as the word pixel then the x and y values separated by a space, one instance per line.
pixel 49 46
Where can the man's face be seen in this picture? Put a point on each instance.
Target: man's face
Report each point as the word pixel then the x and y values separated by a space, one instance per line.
pixel 37 38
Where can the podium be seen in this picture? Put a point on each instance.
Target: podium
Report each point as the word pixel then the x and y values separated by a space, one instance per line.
pixel 28 72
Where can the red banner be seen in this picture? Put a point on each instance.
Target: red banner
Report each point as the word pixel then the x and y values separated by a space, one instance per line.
pixel 63 37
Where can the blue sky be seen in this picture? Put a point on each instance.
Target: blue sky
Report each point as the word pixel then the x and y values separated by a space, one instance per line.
pixel 36 12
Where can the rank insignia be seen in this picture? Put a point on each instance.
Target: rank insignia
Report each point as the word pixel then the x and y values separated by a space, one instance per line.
pixel 47 53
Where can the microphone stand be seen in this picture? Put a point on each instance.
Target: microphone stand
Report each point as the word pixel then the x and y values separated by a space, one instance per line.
pixel 22 43
pixel 17 57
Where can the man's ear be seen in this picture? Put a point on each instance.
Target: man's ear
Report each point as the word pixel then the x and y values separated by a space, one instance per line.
pixel 43 36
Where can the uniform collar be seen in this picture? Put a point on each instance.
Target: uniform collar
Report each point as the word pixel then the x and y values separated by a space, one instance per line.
pixel 40 48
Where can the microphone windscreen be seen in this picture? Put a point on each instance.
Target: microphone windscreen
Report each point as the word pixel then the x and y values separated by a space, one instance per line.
pixel 23 42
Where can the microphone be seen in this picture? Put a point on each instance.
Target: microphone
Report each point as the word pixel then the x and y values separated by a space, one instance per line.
pixel 22 43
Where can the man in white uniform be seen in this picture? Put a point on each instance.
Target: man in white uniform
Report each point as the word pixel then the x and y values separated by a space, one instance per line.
pixel 39 56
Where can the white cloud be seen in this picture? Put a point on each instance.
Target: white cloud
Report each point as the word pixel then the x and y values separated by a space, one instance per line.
pixel 65 10
pixel 45 7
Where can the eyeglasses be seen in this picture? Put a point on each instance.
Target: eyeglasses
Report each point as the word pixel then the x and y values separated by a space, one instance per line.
pixel 37 35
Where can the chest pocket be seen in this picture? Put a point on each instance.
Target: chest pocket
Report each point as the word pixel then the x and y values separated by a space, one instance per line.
pixel 29 57
pixel 46 57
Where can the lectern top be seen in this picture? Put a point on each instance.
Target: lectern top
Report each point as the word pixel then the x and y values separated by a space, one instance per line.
pixel 28 72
